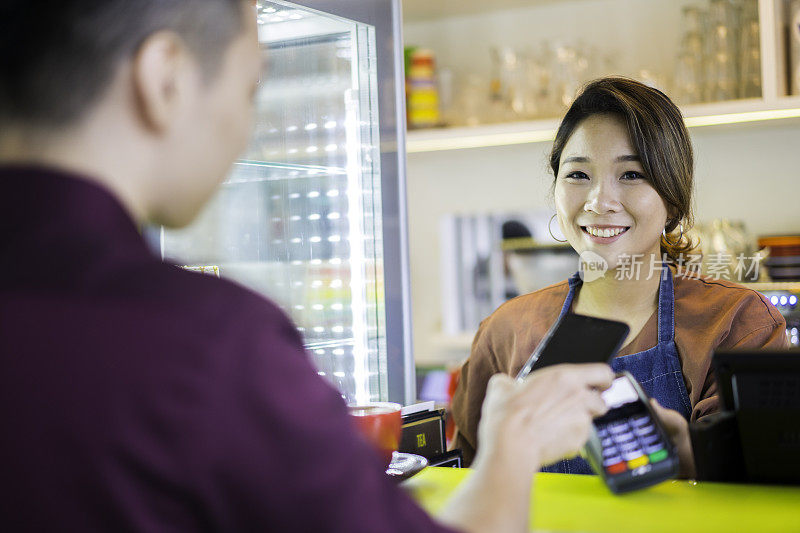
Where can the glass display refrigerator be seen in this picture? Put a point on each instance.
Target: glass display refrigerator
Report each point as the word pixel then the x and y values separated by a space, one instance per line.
pixel 313 215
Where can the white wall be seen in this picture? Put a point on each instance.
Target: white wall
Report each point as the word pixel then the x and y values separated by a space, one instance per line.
pixel 746 172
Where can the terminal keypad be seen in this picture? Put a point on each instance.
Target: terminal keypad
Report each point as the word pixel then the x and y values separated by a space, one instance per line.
pixel 630 443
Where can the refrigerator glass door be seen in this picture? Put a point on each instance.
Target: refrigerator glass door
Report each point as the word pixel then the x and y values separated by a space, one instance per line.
pixel 299 217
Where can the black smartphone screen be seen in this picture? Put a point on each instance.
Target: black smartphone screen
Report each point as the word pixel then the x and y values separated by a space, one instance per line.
pixel 577 339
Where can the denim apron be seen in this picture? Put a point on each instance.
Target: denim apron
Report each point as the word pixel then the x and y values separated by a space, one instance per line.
pixel 658 370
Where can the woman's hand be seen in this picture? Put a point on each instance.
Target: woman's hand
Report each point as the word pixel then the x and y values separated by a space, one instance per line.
pixel 678 429
pixel 546 417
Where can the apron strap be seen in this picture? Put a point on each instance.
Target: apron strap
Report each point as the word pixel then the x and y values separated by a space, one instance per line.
pixel 666 306
pixel 574 281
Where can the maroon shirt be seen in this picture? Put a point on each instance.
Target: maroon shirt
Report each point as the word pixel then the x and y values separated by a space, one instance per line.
pixel 136 396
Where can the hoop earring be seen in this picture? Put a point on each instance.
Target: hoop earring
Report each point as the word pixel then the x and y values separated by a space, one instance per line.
pixel 664 235
pixel 551 231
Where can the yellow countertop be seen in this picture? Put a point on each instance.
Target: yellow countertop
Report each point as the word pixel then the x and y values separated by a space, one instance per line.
pixel 562 502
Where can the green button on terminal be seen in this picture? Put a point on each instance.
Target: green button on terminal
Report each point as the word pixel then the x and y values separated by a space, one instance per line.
pixel 660 455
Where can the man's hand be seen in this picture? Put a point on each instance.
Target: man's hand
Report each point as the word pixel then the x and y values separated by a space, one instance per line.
pixel 523 426
pixel 546 417
pixel 678 430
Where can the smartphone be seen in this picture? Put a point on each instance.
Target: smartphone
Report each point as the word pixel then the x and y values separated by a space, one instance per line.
pixel 628 447
pixel 577 339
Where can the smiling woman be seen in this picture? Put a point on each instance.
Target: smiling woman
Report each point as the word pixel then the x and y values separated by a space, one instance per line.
pixel 604 200
pixel 651 139
pixel 623 176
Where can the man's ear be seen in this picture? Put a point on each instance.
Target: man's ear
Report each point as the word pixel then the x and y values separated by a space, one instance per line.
pixel 161 77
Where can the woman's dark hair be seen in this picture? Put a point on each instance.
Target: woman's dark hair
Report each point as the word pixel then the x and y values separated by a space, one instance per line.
pixel 57 57
pixel 660 138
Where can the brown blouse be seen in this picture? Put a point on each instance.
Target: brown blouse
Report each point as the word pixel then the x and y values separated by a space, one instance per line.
pixel 709 315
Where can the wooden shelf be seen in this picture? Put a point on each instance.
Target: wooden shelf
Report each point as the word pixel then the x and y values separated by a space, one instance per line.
pixel 523 132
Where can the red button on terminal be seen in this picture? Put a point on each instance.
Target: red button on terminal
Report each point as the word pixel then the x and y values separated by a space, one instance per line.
pixel 616 468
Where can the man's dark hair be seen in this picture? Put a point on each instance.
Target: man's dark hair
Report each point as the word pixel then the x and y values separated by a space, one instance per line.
pixel 58 57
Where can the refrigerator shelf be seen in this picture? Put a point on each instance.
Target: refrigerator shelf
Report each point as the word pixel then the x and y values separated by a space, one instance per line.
pixel 246 171
pixel 321 345
pixel 301 88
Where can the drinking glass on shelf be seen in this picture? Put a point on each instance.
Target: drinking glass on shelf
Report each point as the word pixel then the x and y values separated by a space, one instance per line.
pixel 693 41
pixel 471 101
pixel 582 63
pixel 445 83
pixel 542 83
pixel 567 73
pixel 723 17
pixel 514 80
pixel 794 47
pixel 692 19
pixel 688 79
pixel 531 77
pixel 750 54
pixel 506 88
pixel 705 56
pixel 722 83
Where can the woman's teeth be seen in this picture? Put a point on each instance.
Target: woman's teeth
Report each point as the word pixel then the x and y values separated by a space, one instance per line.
pixel 608 232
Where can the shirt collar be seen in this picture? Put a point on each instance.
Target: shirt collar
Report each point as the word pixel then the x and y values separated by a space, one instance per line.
pixel 58 216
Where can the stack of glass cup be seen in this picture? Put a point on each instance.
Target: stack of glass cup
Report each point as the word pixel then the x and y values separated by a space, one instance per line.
pixel 719 58
pixel 720 54
pixel 794 46
pixel 750 60
pixel 535 82
pixel 689 86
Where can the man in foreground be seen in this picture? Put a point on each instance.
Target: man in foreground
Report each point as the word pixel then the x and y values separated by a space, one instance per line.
pixel 137 396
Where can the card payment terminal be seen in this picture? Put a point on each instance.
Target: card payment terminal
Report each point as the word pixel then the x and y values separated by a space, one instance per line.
pixel 628 447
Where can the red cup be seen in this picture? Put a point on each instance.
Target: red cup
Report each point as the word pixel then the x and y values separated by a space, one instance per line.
pixel 380 424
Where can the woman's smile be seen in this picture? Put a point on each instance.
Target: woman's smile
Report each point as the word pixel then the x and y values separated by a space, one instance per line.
pixel 604 234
